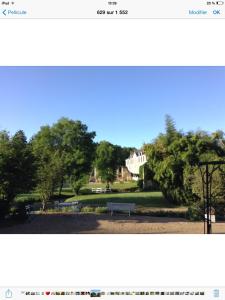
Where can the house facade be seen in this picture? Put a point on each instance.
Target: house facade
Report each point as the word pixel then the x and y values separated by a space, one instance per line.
pixel 122 174
pixel 131 170
pixel 134 162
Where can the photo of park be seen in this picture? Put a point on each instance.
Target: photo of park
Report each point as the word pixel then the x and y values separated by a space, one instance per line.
pixel 112 150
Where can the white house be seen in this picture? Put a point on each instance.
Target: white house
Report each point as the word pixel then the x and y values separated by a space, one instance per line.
pixel 134 162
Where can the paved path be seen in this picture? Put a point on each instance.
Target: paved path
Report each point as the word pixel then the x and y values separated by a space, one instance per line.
pixel 105 224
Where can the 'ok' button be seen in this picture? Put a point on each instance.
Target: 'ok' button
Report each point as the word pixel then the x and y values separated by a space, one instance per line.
pixel 216 12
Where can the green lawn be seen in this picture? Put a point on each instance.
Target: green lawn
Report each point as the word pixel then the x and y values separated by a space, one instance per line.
pixel 25 197
pixel 145 201
pixel 116 185
pixel 120 187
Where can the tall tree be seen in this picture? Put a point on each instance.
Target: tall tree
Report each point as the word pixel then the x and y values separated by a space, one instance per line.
pixel 64 150
pixel 106 162
pixel 171 132
pixel 76 151
pixel 173 158
pixel 48 164
pixel 17 168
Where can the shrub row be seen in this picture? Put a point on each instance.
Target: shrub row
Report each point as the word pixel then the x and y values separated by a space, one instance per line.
pixel 163 213
pixel 15 212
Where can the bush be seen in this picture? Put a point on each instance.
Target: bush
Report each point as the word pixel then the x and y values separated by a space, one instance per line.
pixel 140 184
pixel 88 209
pixel 56 197
pixel 66 209
pixel 4 209
pixel 220 211
pixel 101 210
pixel 195 212
pixel 163 213
pixel 28 200
pixel 19 212
pixel 132 189
pixel 85 191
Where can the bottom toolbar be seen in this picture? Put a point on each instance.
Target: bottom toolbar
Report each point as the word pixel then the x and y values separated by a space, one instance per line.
pixel 111 293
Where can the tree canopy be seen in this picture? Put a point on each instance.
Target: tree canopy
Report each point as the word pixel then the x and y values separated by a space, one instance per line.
pixel 63 151
pixel 106 161
pixel 173 158
pixel 17 168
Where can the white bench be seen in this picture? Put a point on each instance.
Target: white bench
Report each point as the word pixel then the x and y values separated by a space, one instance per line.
pixel 29 211
pixel 101 190
pixel 75 205
pixel 97 190
pixel 127 207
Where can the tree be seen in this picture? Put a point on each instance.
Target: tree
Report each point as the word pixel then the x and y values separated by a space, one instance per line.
pixel 106 162
pixel 76 150
pixel 121 154
pixel 63 151
pixel 17 168
pixel 48 164
pixel 174 157
pixel 171 132
pixel 78 182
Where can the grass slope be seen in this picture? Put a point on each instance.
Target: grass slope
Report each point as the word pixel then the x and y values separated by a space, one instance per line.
pixel 144 201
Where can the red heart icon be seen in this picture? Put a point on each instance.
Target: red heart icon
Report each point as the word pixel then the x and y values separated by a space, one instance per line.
pixel 47 293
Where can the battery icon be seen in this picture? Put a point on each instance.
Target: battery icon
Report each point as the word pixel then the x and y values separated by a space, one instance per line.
pixel 220 3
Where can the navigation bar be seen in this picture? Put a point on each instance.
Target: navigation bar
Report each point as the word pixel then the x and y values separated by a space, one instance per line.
pixel 112 9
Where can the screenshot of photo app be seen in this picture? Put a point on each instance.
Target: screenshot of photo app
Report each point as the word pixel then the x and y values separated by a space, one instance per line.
pixel 112 149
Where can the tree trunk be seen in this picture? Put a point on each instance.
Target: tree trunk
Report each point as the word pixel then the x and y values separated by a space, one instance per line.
pixel 61 187
pixel 43 205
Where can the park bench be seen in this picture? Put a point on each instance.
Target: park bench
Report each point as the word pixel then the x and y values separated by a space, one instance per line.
pixel 101 190
pixel 97 190
pixel 124 207
pixel 28 209
pixel 30 212
pixel 75 205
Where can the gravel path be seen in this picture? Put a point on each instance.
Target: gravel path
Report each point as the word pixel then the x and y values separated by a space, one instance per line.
pixel 105 224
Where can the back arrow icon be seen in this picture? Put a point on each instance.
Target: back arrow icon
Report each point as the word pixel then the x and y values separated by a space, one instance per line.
pixel 4 12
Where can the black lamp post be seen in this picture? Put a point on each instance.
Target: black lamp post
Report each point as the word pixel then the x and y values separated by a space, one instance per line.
pixel 207 176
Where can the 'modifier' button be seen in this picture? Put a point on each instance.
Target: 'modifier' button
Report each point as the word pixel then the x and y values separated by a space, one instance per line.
pixel 197 12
